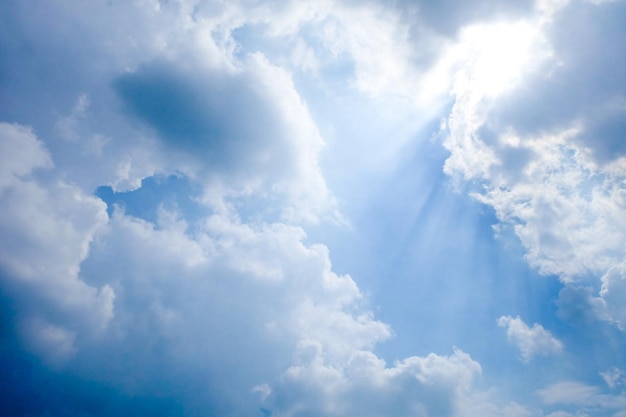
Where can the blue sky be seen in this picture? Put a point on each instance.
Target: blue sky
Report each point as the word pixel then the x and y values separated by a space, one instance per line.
pixel 325 208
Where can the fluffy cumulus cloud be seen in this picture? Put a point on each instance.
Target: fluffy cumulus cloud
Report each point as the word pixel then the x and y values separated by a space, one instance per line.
pixel 247 314
pixel 432 385
pixel 162 165
pixel 229 306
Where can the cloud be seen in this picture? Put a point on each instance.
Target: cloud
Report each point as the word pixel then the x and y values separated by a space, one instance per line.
pixel 253 307
pixel 21 153
pixel 198 119
pixel 586 398
pixel 568 393
pixel 432 385
pixel 543 152
pixel 566 414
pixel 531 341
pixel 579 305
pixel 218 302
pixel 217 315
pixel 613 292
pixel 580 71
pixel 39 273
pixel 448 17
pixel 613 377
pixel 226 301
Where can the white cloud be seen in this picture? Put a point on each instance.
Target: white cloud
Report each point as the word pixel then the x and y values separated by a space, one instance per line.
pixel 553 174
pixel 531 341
pixel 482 72
pixel 274 154
pixel 431 385
pixel 21 153
pixel 613 293
pixel 558 205
pixel 377 41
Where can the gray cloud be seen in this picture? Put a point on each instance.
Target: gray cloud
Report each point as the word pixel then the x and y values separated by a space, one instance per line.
pixel 198 117
pixel 581 83
pixel 449 16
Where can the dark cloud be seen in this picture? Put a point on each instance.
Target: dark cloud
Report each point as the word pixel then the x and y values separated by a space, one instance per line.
pixel 183 115
pixel 203 113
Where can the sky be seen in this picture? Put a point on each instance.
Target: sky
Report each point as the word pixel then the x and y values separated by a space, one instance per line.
pixel 327 208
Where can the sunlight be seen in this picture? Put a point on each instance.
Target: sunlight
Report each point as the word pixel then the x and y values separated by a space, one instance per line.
pixel 495 56
pixel 487 60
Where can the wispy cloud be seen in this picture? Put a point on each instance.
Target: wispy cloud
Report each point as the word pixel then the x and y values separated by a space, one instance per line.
pixel 582 397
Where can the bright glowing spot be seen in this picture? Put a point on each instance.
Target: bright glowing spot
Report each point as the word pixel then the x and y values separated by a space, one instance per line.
pixel 494 57
pixel 487 60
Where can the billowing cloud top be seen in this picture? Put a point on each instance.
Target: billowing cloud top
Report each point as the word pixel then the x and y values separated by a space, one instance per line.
pixel 176 177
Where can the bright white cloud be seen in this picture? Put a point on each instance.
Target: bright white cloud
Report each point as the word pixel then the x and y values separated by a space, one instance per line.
pixel 531 341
